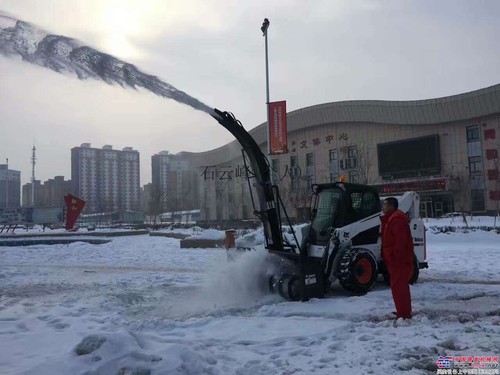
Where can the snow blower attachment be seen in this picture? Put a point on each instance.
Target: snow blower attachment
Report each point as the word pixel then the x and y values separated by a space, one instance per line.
pixel 342 242
pixel 299 278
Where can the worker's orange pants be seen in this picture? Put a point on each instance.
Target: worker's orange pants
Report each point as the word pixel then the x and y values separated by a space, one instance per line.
pixel 400 274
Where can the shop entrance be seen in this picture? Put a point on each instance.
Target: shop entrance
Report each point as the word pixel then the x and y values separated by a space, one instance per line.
pixel 435 205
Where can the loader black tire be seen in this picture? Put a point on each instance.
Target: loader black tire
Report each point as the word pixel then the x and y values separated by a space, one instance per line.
pixel 414 276
pixel 357 270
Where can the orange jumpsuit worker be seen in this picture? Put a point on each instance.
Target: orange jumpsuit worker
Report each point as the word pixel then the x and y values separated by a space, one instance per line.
pixel 397 253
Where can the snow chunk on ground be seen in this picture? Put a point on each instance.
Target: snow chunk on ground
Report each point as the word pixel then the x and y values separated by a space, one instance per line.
pixel 89 344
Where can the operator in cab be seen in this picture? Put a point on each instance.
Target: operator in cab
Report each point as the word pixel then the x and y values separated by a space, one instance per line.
pixel 397 253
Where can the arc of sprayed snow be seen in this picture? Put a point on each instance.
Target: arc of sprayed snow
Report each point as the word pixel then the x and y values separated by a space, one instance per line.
pixel 63 54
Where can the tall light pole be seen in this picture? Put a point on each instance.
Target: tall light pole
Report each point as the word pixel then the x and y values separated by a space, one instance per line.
pixel 264 27
pixel 7 184
pixel 33 162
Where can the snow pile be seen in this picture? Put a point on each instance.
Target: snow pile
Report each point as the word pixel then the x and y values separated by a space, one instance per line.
pixel 252 239
pixel 209 234
pixel 192 230
pixel 456 223
pixel 256 238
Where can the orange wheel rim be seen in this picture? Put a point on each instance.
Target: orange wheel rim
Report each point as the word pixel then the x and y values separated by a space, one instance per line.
pixel 363 271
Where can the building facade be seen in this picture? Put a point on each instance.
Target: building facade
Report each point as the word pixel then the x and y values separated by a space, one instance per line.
pixel 130 181
pixel 160 169
pixel 54 190
pixel 183 183
pixel 447 149
pixel 108 180
pixel 10 188
pixel 146 199
pixel 27 196
pixel 49 194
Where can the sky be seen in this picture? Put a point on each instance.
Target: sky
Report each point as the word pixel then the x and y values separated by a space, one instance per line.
pixel 319 51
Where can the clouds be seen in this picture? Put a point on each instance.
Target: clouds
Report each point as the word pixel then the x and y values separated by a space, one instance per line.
pixel 320 51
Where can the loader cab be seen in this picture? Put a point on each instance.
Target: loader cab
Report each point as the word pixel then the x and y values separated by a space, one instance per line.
pixel 337 205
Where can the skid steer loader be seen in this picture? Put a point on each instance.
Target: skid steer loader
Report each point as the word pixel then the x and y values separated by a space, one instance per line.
pixel 343 240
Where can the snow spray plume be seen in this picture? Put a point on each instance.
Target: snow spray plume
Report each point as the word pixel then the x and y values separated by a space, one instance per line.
pixel 229 288
pixel 63 54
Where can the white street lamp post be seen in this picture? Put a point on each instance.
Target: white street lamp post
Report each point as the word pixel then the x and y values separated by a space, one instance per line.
pixel 265 26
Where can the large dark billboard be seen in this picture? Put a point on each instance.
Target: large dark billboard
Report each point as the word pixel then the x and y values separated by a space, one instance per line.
pixel 409 157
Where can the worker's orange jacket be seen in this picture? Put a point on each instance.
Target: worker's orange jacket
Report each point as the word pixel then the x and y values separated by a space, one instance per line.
pixel 397 241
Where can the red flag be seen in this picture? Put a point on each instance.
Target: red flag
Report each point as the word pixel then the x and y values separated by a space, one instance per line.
pixel 277 127
pixel 74 206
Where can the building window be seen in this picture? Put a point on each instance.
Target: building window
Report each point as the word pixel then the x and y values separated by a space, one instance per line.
pixel 351 161
pixel 310 164
pixel 295 185
pixel 477 200
pixel 352 152
pixel 294 169
pixel 475 165
pixel 334 161
pixel 310 159
pixel 334 156
pixel 334 177
pixel 473 133
pixel 353 176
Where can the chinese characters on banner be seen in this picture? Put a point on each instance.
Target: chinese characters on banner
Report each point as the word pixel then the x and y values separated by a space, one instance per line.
pixel 277 128
pixel 74 206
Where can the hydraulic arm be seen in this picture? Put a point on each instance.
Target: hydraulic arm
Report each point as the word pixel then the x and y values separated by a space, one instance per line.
pixel 268 208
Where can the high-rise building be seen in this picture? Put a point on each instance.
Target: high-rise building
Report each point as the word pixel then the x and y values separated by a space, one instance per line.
pixel 159 173
pixel 54 190
pixel 130 184
pixel 84 177
pixel 49 194
pixel 107 179
pixel 28 195
pixel 146 201
pixel 10 188
pixel 183 184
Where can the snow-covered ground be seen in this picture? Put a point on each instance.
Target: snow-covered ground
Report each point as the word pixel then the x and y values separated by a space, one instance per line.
pixel 141 305
pixel 36 230
pixel 458 221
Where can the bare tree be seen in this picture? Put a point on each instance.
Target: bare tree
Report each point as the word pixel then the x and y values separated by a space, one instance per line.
pixel 461 186
pixel 365 162
pixel 156 204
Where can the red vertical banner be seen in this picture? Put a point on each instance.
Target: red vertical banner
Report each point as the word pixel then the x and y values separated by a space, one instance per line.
pixel 277 128
pixel 74 207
